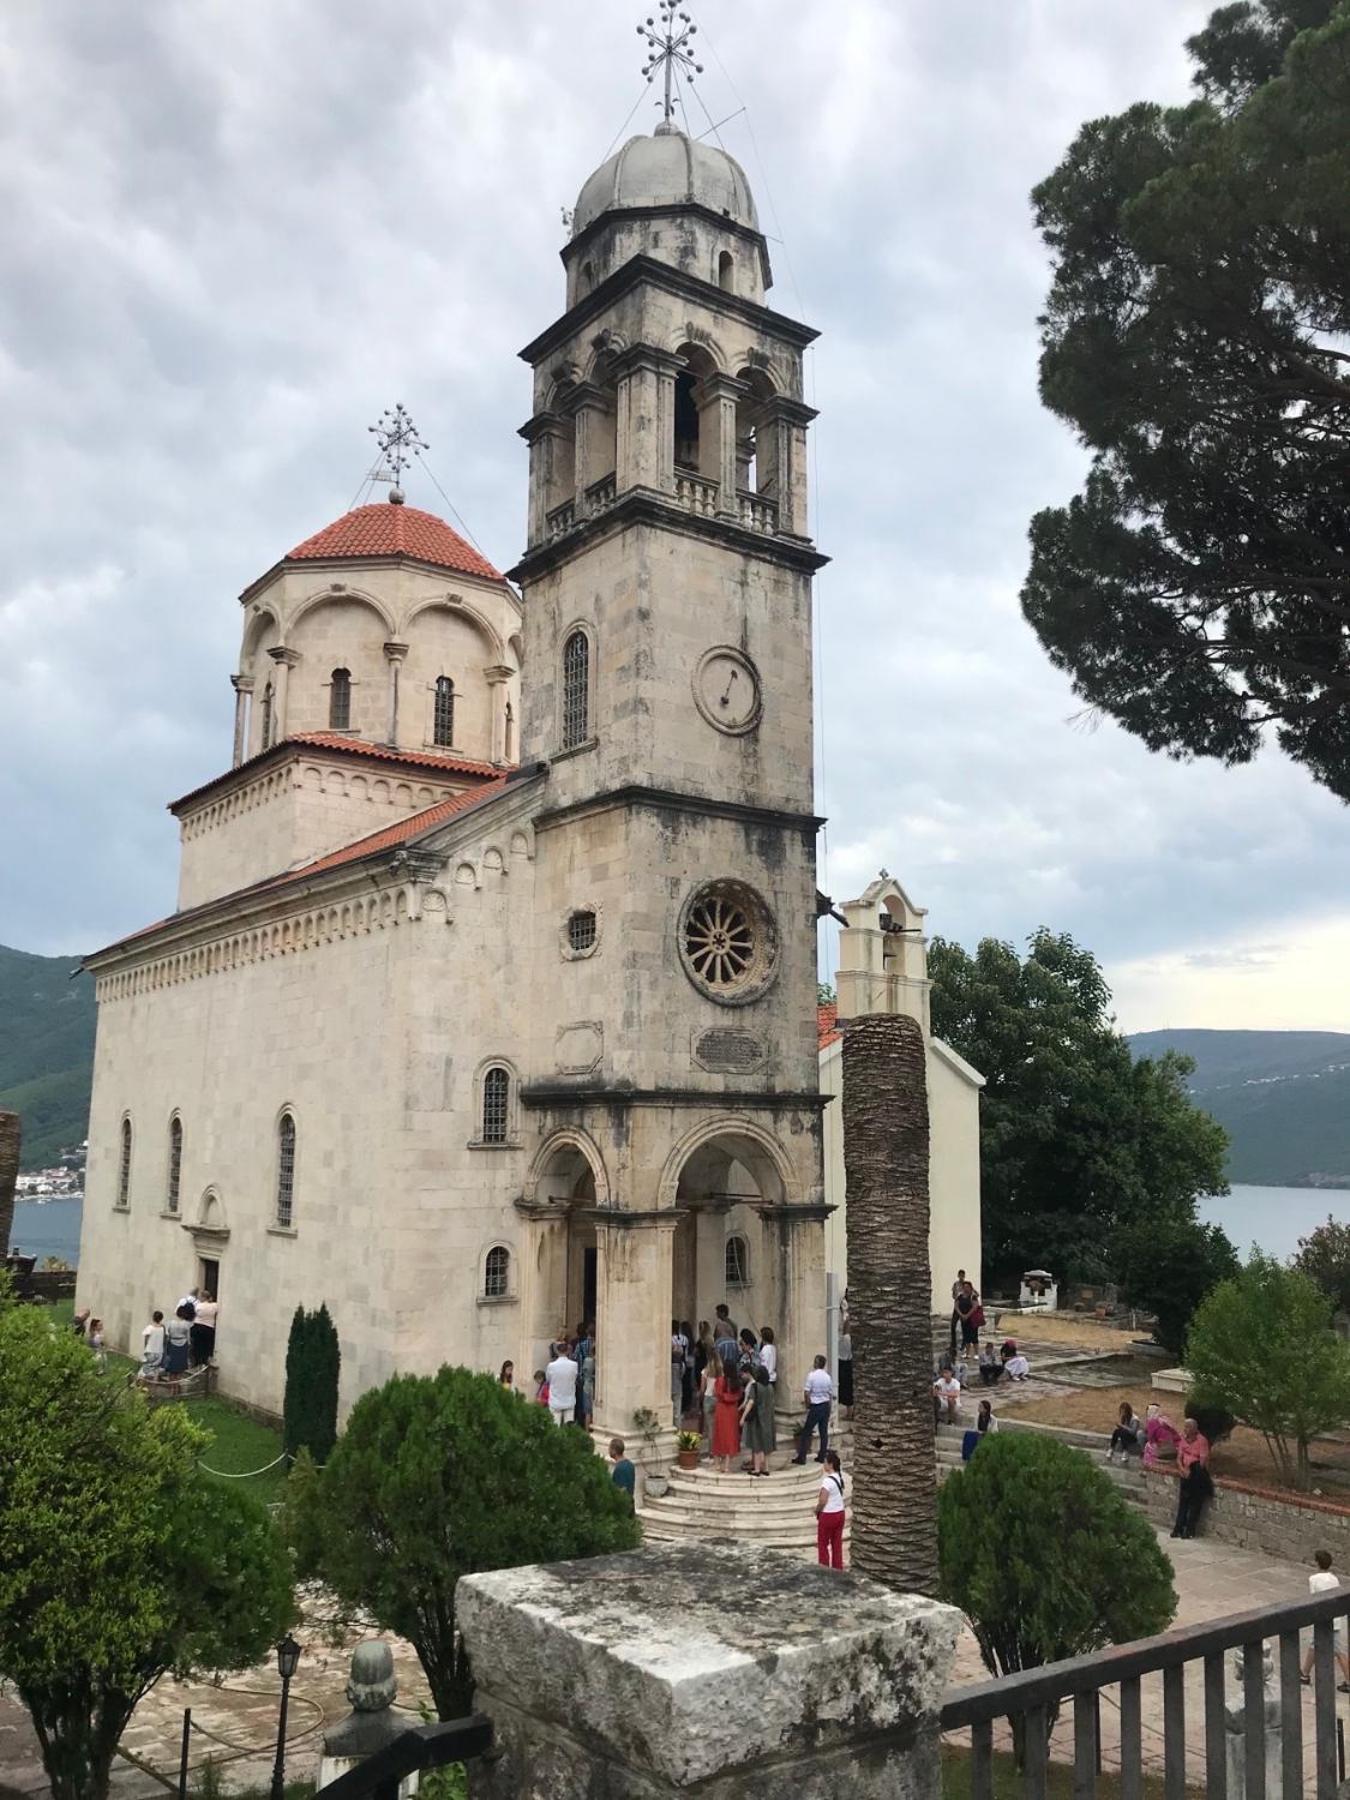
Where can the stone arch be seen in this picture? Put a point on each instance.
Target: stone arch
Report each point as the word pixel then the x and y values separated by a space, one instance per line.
pixel 459 607
pixel 726 1139
pixel 211 1210
pixel 326 596
pixel 568 1154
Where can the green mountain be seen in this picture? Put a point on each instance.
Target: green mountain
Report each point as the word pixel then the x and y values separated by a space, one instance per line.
pixel 1282 1096
pixel 46 1051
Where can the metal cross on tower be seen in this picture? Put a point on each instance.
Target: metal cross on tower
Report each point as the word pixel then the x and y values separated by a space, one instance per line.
pixel 667 35
pixel 399 442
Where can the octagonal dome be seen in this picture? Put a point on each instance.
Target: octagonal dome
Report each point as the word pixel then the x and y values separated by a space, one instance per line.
pixel 667 169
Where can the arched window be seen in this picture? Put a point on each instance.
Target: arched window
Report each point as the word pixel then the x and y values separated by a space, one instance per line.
pixel 124 1166
pixel 286 1171
pixel 266 717
pixel 496 1105
pixel 340 700
pixel 686 422
pixel 576 698
pixel 497 1273
pixel 726 272
pixel 443 712
pixel 737 1262
pixel 509 748
pixel 175 1164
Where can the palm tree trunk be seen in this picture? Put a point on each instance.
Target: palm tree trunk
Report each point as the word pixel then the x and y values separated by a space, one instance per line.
pixel 889 1292
pixel 9 1169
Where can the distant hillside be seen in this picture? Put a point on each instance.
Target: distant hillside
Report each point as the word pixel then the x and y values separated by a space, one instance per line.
pixel 1282 1096
pixel 46 1050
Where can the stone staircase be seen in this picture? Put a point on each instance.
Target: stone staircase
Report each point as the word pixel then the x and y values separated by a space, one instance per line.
pixel 780 1512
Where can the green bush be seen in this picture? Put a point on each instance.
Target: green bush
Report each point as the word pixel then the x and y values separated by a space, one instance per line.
pixel 1262 1346
pixel 1043 1555
pixel 118 1561
pixel 441 1476
pixel 313 1364
pixel 1167 1266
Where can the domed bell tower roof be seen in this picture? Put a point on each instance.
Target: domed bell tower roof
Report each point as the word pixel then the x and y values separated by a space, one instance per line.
pixel 667 169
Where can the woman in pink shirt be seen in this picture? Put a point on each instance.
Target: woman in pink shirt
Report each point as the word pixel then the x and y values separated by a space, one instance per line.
pixel 1196 1485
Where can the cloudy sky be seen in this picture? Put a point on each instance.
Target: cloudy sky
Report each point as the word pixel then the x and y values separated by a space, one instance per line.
pixel 235 230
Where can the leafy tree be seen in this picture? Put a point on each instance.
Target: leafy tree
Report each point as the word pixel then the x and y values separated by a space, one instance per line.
pixel 1038 1548
pixel 1167 1266
pixel 1198 589
pixel 438 1476
pixel 1263 1346
pixel 1077 1137
pixel 1325 1258
pixel 313 1365
pixel 117 1561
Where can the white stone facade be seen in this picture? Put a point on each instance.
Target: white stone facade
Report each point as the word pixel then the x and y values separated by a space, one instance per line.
pixel 554 1000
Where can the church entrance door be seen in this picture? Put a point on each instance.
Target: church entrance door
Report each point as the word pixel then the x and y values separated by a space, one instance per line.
pixel 208 1275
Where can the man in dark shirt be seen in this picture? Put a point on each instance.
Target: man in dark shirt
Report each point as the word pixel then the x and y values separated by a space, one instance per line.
pixel 624 1475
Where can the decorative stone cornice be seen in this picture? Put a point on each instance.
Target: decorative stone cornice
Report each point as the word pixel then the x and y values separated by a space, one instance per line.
pixel 666 800
pixel 645 506
pixel 395 650
pixel 282 653
pixel 242 684
pixel 555 1096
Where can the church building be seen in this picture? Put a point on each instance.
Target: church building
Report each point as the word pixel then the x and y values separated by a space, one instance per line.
pixel 489 1001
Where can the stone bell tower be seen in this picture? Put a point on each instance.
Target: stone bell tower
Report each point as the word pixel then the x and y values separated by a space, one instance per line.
pixel 667 604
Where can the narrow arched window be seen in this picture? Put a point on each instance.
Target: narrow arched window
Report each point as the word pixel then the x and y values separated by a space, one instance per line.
pixel 124 1166
pixel 726 272
pixel 737 1262
pixel 496 1105
pixel 497 1273
pixel 340 700
pixel 286 1171
pixel 576 676
pixel 175 1164
pixel 266 717
pixel 509 749
pixel 443 712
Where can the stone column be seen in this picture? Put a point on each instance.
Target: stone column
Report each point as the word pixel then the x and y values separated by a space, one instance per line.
pixel 394 653
pixel 645 419
pixel 10 1133
pixel 717 437
pixel 784 425
pixel 710 1263
pixel 542 1270
pixel 243 690
pixel 498 676
pixel 285 660
pixel 549 436
pixel 593 438
pixel 632 1326
pixel 801 1293
pixel 597 1678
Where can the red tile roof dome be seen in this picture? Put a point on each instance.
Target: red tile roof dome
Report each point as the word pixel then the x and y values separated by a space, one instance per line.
pixel 392 529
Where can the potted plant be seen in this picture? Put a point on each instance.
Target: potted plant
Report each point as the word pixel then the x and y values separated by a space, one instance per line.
pixel 688 1445
pixel 648 1428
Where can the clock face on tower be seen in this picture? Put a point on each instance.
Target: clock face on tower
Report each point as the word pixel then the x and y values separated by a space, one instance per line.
pixel 727 690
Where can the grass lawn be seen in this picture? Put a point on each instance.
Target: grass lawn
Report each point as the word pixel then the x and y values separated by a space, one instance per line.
pixel 1008 1783
pixel 239 1443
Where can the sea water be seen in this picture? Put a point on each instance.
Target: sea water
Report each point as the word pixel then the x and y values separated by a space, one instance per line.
pixel 1273 1218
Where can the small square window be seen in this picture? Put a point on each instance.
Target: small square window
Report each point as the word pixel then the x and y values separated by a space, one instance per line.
pixel 581 931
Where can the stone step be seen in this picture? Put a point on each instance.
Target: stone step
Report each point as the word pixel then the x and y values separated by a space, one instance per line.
pixel 761 1528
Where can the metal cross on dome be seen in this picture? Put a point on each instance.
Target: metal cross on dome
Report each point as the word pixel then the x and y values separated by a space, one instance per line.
pixel 399 442
pixel 668 33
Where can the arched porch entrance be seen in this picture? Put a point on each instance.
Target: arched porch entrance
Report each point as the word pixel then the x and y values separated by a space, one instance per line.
pixel 726 1190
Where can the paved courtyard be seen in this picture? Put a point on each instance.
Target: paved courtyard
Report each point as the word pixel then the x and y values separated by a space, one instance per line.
pixel 1212 1580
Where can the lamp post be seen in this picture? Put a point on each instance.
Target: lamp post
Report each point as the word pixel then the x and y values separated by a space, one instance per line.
pixel 288 1659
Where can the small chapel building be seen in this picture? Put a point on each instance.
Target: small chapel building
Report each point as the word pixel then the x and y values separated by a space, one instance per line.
pixel 488 1005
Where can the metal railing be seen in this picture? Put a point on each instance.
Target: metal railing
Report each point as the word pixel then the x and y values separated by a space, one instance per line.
pixel 1034 1697
pixel 423 1747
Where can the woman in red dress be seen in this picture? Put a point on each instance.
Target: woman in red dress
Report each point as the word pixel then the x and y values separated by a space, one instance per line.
pixel 726 1441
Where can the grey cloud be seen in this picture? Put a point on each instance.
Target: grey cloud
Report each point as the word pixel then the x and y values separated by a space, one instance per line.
pixel 241 230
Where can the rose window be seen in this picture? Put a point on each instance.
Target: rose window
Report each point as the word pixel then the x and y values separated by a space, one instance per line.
pixel 728 942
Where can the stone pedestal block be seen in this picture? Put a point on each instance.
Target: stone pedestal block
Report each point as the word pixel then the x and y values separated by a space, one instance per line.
pixel 723 1670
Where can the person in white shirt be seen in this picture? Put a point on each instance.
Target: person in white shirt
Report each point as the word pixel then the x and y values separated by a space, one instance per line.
pixel 1325 1581
pixel 1017 1367
pixel 561 1376
pixel 947 1395
pixel 818 1392
pixel 768 1354
pixel 830 1514
pixel 152 1348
